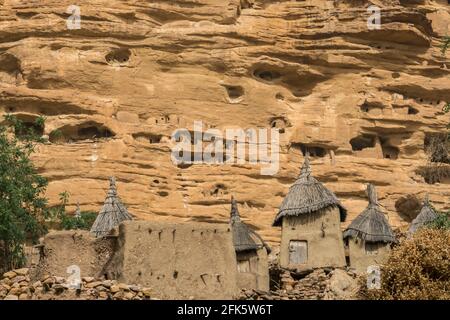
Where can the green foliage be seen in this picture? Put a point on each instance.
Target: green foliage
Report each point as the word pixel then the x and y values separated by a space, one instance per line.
pixel 23 207
pixel 25 131
pixel 445 45
pixel 84 222
pixel 441 222
pixel 56 135
pixel 446 108
pixel 71 222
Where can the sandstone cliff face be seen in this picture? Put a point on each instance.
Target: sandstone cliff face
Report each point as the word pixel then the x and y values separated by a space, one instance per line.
pixel 113 92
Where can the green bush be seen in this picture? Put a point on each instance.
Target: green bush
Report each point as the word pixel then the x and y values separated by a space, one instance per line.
pixel 441 222
pixel 84 222
pixel 71 222
pixel 23 207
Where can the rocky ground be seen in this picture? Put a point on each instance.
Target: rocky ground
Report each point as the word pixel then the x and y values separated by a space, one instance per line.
pixel 17 285
pixel 327 284
pixel 320 284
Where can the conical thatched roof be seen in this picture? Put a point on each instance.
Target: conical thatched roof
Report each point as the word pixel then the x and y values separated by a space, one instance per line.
pixel 371 225
pixel 307 195
pixel 427 214
pixel 244 238
pixel 112 213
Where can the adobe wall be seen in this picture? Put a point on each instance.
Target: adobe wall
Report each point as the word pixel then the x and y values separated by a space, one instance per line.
pixel 259 278
pixel 177 260
pixel 359 260
pixel 322 231
pixel 61 249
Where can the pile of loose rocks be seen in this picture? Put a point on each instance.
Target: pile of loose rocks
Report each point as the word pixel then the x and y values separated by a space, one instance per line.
pixel 17 285
pixel 319 284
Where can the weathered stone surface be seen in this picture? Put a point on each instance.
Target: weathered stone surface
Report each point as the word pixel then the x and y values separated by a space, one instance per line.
pixel 116 89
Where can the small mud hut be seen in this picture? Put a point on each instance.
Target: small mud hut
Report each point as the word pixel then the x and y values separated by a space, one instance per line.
pixel 310 217
pixel 426 215
pixel 369 236
pixel 112 213
pixel 251 254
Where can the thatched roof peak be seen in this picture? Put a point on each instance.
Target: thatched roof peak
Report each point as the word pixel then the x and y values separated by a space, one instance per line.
pixel 112 213
pixel 78 211
pixel 244 238
pixel 307 195
pixel 371 225
pixel 426 215
pixel 305 171
pixel 234 214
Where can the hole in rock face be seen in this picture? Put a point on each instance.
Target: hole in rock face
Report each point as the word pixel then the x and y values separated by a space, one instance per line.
pixel 362 142
pixel 395 75
pixel 29 126
pixel 279 96
pixel 389 151
pixel 218 190
pixel 93 131
pixel 147 137
pixel 314 151
pixel 279 123
pixel 408 206
pixel 234 92
pixel 85 131
pixel 266 75
pixel 163 193
pixel 10 64
pixel 412 111
pixel 118 56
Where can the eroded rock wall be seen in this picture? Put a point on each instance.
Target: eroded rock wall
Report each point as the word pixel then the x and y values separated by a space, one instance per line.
pixel 113 92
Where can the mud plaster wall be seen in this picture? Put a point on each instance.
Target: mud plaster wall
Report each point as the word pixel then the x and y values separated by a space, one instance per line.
pixel 359 260
pixel 61 249
pixel 258 277
pixel 178 261
pixel 323 235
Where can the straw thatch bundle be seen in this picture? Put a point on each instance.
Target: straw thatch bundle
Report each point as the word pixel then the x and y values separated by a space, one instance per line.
pixel 244 238
pixel 371 225
pixel 426 215
pixel 307 195
pixel 112 213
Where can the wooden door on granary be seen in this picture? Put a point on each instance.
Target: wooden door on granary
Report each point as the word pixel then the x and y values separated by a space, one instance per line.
pixel 298 252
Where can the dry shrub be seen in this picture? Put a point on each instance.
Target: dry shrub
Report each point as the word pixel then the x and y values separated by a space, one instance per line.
pixel 434 172
pixel 417 269
pixel 437 147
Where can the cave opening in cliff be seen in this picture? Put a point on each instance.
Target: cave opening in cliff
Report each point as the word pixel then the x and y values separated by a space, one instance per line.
pixel 362 142
pixel 234 92
pixel 118 56
pixel 412 111
pixel 29 126
pixel 312 150
pixel 85 131
pixel 266 75
pixel 389 151
pixel 279 123
pixel 147 137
